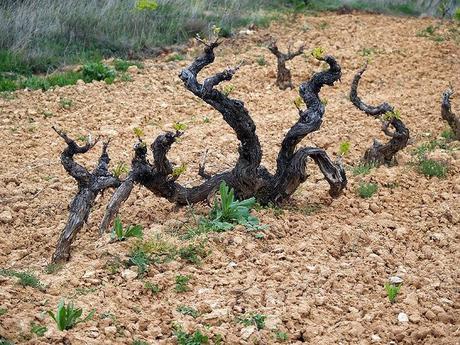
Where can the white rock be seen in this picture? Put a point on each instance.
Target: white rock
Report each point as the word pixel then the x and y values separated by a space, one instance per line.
pixel 402 317
pixel 133 69
pixel 128 274
pixel 375 338
pixel 247 331
pixel 6 217
pixel 110 330
pixel 232 264
pixel 395 280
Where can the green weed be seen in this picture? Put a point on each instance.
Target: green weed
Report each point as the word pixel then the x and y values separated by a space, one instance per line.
pixel 363 168
pixel 281 336
pixel 175 57
pixel 24 278
pixel 65 103
pixel 182 283
pixel 366 190
pixel 344 148
pixel 67 316
pixel 261 61
pixel 52 268
pixel 120 169
pixel 120 234
pixel 228 211
pixel 153 288
pixel 139 342
pixel 432 168
pixel 121 65
pixel 98 71
pixel 392 291
pixel 186 310
pixel 184 338
pixel 257 320
pixel 193 253
pixel 448 134
pixel 39 330
pixel 3 311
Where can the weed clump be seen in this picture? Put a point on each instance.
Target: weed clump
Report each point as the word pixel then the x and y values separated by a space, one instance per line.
pixel 366 190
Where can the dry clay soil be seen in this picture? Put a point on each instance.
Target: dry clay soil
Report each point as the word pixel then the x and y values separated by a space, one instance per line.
pixel 318 273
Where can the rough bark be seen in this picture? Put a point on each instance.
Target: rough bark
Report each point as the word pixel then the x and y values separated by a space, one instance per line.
pixel 90 184
pixel 447 114
pixel 380 153
pixel 248 177
pixel 283 76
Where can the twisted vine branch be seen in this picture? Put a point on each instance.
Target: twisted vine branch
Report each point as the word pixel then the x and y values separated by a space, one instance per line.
pixel 283 74
pixel 447 114
pixel 381 153
pixel 90 184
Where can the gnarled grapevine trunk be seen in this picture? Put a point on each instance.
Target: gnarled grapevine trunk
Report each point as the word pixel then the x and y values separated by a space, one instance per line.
pixel 381 153
pixel 447 114
pixel 283 74
pixel 90 184
pixel 248 177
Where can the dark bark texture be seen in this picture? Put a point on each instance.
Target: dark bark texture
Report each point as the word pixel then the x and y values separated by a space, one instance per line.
pixel 90 184
pixel 283 76
pixel 248 177
pixel 380 153
pixel 447 114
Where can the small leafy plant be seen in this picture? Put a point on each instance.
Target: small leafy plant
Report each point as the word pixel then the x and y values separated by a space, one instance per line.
pixel 228 89
pixel 98 71
pixel 175 57
pixel 261 61
pixel 186 310
pixel 182 283
pixel 366 190
pixel 24 278
pixel 39 330
pixel 184 338
pixel 153 288
pixel 390 115
pixel 193 253
pixel 363 168
pixel 177 171
pixel 179 126
pixel 65 103
pixel 67 316
pixel 392 291
pixel 432 168
pixel 120 169
pixel 228 211
pixel 120 234
pixel 257 320
pixel 281 336
pixel 344 148
pixel 318 53
pixel 146 5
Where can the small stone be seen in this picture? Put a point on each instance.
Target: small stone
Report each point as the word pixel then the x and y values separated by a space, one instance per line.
pixel 395 280
pixel 403 318
pixel 128 274
pixel 110 330
pixel 375 338
pixel 89 274
pixel 232 264
pixel 374 208
pixel 247 331
pixel 133 69
pixel 430 315
pixel 6 217
pixel 80 82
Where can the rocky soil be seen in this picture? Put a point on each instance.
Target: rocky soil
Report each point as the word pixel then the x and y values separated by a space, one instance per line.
pixel 318 273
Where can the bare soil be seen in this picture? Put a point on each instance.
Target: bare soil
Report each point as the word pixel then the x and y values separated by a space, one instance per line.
pixel 318 274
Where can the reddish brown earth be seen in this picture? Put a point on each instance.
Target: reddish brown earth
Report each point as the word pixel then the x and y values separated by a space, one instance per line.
pixel 318 274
